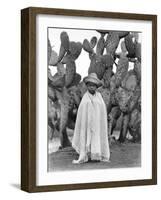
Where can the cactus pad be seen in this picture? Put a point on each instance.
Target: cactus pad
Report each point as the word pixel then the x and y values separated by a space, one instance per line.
pixel 122 97
pixel 53 58
pixel 123 47
pixel 134 101
pixel 87 46
pixel 138 51
pixel 112 83
pixel 130 45
pixel 106 95
pixel 70 72
pixel 130 81
pixel 135 125
pixel 100 45
pixel 121 70
pixel 137 69
pixel 64 47
pixel 112 42
pixel 76 80
pixel 99 64
pixel 49 50
pixel 75 49
pixel 64 40
pixel 107 76
pixel 93 42
pixel 57 81
pixel 51 93
pixel 60 69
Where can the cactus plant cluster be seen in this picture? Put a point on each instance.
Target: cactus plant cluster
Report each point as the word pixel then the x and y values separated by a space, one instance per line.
pixel 121 88
pixel 61 85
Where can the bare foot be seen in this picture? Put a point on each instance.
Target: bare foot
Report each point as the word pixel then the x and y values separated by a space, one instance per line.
pixel 105 160
pixel 79 161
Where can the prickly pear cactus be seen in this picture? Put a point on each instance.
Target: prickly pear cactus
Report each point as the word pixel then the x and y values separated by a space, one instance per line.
pixel 137 70
pixel 112 42
pixel 73 53
pixel 107 77
pixel 75 49
pixel 135 119
pixel 62 81
pixel 64 45
pixel 134 100
pixel 106 95
pixel 122 97
pixel 124 127
pixel 115 112
pixel 113 117
pixel 76 80
pixel 121 88
pixel 99 64
pixel 139 103
pixel 49 50
pixel 57 81
pixel 96 66
pixel 64 99
pixel 100 45
pixel 51 93
pixel 53 58
pixel 113 83
pixel 75 95
pixel 93 42
pixel 87 47
pixel 62 52
pixel 61 69
pixel 138 51
pixel 66 58
pixel 64 40
pixel 107 60
pixel 135 125
pixel 70 72
pixel 130 45
pixel 123 48
pixel 122 69
pixel 130 81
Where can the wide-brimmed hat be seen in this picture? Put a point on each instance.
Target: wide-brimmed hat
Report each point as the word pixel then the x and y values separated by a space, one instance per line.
pixel 92 78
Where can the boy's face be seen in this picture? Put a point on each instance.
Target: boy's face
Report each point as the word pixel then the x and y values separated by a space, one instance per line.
pixel 91 87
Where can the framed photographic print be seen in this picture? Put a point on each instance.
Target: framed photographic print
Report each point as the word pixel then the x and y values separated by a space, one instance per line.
pixel 88 99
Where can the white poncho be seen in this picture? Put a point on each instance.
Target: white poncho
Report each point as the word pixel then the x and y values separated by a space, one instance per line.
pixel 91 135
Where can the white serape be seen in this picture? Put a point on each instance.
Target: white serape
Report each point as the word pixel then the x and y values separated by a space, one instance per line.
pixel 90 137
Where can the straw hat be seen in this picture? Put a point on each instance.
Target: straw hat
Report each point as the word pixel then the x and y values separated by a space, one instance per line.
pixel 92 78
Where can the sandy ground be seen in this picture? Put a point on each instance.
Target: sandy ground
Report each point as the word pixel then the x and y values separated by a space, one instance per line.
pixel 123 155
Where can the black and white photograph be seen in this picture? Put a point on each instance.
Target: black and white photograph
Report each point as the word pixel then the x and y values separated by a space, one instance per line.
pixel 94 99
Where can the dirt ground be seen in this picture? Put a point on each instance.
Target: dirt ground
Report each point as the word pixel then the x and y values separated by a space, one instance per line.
pixel 123 155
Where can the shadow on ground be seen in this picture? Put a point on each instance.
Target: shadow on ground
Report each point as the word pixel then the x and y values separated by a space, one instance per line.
pixel 122 156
